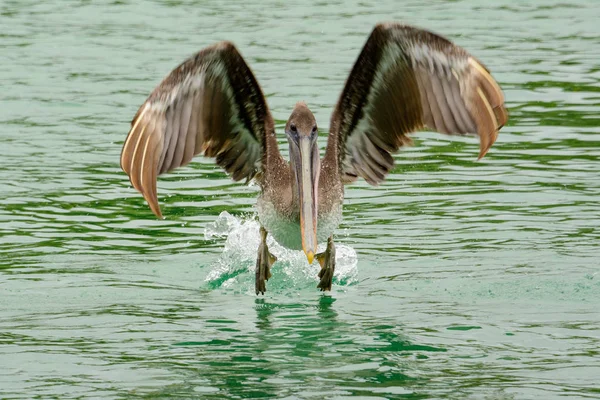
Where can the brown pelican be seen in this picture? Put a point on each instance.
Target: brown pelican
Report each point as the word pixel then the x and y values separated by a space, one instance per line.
pixel 405 79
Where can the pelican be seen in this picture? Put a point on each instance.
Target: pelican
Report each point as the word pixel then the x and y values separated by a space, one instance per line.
pixel 405 79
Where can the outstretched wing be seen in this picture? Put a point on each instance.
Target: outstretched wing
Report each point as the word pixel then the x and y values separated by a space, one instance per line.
pixel 406 79
pixel 212 105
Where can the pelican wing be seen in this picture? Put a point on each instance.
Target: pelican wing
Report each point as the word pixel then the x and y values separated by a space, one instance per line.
pixel 404 80
pixel 211 104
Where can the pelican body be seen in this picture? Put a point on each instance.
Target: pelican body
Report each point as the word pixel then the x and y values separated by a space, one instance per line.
pixel 405 79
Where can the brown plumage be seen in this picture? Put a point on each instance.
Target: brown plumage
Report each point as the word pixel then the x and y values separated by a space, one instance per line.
pixel 212 105
pixel 404 80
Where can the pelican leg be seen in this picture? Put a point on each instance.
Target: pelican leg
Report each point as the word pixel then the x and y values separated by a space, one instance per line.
pixel 264 261
pixel 327 261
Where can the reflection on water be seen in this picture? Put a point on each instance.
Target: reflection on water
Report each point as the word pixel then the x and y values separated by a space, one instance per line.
pixel 298 340
pixel 458 278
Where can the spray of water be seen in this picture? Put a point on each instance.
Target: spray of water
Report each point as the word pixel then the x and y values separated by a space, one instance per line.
pixel 236 265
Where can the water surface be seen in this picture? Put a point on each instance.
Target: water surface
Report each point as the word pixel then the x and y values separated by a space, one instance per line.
pixel 458 279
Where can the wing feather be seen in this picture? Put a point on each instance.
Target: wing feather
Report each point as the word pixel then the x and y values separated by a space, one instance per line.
pixel 171 144
pixel 445 108
pixel 190 139
pixel 211 104
pixel 168 133
pixel 138 153
pixel 406 79
pixel 152 151
pixel 438 117
pixel 184 124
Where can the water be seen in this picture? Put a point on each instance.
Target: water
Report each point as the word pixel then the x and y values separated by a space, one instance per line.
pixel 460 279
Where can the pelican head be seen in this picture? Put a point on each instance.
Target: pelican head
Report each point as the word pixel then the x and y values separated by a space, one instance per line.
pixel 301 131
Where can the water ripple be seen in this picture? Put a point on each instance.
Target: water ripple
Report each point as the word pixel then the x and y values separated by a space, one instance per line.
pixel 458 278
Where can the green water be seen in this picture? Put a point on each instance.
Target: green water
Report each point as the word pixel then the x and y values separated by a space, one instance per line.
pixel 457 279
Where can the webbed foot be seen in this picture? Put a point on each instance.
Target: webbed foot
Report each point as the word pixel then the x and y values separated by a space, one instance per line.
pixel 264 262
pixel 327 261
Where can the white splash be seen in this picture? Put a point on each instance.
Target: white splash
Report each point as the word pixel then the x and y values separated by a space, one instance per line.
pixel 239 256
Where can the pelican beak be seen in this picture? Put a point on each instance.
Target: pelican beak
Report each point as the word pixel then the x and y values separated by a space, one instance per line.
pixel 307 173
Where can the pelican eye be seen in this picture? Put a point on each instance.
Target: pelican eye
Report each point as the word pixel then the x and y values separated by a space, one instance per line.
pixel 314 129
pixel 293 128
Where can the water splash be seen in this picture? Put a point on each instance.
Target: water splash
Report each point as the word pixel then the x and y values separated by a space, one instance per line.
pixel 236 265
